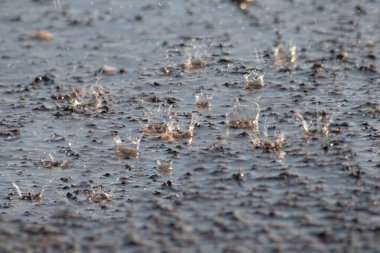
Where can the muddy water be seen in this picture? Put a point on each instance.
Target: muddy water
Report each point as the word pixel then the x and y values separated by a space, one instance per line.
pixel 228 191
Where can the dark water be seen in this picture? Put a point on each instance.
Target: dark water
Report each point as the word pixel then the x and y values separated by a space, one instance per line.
pixel 317 192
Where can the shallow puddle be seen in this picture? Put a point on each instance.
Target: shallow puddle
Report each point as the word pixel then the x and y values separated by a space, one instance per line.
pixel 115 126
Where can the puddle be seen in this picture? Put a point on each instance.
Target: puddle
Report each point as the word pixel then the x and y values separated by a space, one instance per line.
pixel 135 104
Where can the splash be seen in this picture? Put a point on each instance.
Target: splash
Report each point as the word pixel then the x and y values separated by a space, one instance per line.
pixel 164 166
pixel 197 57
pixel 320 127
pixel 268 143
pixel 128 148
pixel 282 57
pixel 27 196
pixel 203 100
pixel 88 98
pixel 254 80
pixel 57 4
pixel 100 196
pixel 157 121
pixel 176 131
pixel 243 116
pixel 52 163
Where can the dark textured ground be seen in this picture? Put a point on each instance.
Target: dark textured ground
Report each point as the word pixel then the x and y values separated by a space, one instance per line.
pixel 316 193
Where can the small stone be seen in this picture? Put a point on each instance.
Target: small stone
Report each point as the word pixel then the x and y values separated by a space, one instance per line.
pixel 106 69
pixel 43 35
pixel 168 184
